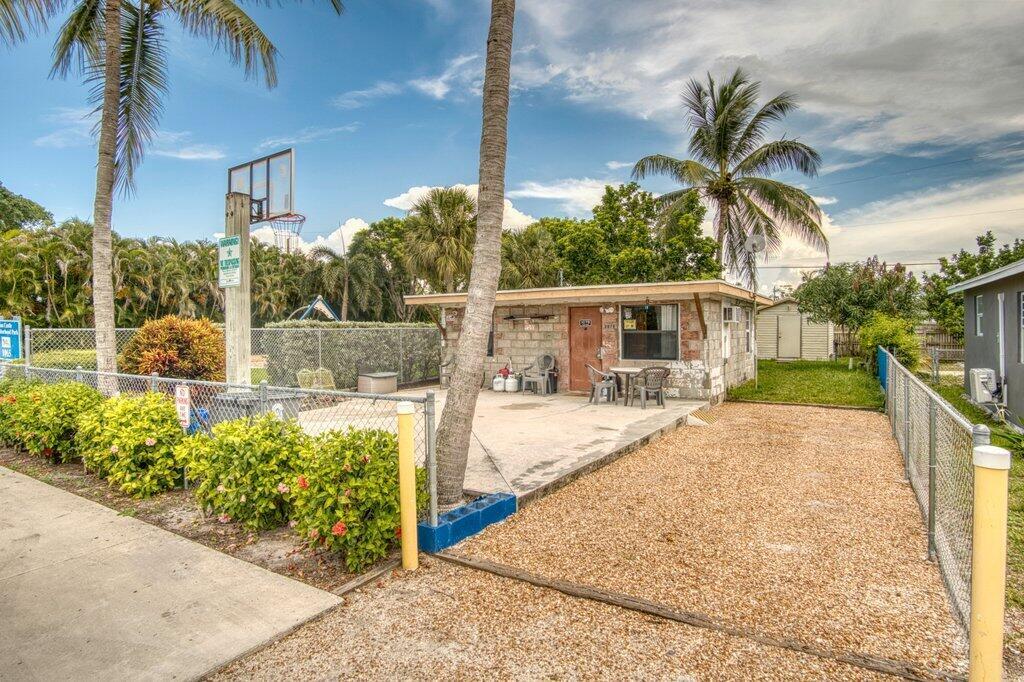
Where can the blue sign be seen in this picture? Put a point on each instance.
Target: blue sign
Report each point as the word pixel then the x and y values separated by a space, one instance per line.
pixel 10 339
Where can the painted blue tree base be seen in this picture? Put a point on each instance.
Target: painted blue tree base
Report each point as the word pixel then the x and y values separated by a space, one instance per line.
pixel 469 519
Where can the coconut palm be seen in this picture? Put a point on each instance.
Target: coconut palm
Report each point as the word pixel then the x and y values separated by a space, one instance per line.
pixel 528 258
pixel 728 167
pixel 348 275
pixel 456 421
pixel 439 242
pixel 119 46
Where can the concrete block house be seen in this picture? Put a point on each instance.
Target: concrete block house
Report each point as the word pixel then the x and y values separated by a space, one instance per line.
pixel 702 331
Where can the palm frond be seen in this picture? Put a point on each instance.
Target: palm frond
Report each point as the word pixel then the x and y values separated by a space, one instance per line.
pixel 688 172
pixel 227 24
pixel 778 156
pixel 773 110
pixel 790 208
pixel 79 40
pixel 20 17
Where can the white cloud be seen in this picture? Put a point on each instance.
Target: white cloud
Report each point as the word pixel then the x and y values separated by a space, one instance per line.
pixel 309 134
pixel 338 240
pixel 825 201
pixel 899 74
pixel 73 128
pixel 513 218
pixel 461 70
pixel 616 165
pixel 195 152
pixel 576 196
pixel 353 99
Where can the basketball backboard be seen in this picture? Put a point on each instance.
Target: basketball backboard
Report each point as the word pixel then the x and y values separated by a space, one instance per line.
pixel 270 183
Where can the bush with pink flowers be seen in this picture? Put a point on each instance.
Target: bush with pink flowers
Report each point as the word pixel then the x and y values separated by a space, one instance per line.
pixel 51 418
pixel 243 472
pixel 345 496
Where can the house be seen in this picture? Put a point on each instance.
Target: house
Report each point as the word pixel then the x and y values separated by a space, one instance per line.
pixel 994 330
pixel 784 333
pixel 701 330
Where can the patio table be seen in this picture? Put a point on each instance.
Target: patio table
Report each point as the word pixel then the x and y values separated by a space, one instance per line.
pixel 627 374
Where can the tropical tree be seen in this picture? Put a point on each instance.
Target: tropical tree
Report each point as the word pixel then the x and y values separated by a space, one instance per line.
pixel 120 47
pixel 729 165
pixel 528 258
pixel 456 422
pixel 383 243
pixel 342 276
pixel 18 212
pixel 439 241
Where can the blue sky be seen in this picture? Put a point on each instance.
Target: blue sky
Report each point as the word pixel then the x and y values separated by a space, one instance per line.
pixel 916 108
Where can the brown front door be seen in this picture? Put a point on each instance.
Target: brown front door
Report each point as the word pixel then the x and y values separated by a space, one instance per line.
pixel 584 344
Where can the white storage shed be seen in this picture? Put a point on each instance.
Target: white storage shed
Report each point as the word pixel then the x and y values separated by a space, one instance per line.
pixel 784 333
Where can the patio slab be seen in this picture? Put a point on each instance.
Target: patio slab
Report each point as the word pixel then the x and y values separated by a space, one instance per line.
pixel 87 594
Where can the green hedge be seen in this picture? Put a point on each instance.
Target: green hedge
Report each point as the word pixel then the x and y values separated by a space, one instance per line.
pixel 65 359
pixel 415 353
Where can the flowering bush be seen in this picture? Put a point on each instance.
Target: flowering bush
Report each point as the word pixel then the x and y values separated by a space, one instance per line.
pixel 345 496
pixel 176 347
pixel 55 416
pixel 16 409
pixel 130 441
pixel 244 470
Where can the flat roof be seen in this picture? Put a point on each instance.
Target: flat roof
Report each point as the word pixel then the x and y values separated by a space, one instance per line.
pixel 598 293
pixel 989 277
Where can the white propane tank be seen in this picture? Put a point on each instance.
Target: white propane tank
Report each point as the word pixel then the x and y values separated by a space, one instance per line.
pixel 498 383
pixel 512 384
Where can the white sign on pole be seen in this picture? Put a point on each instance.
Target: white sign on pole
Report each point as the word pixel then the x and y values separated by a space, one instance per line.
pixel 183 404
pixel 229 261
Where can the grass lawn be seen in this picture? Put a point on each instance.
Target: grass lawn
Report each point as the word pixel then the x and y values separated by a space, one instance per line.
pixel 258 374
pixel 812 382
pixel 954 393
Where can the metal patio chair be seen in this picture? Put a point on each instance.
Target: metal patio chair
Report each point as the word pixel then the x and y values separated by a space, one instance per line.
pixel 322 378
pixel 539 374
pixel 602 383
pixel 650 381
pixel 306 378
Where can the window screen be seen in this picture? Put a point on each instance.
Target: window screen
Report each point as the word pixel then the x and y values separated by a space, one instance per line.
pixel 649 332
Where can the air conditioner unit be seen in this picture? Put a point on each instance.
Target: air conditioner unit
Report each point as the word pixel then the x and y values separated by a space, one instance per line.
pixel 983 385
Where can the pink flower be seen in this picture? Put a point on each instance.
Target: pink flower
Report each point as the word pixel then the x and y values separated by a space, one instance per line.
pixel 221 488
pixel 366 459
pixel 314 533
pixel 339 529
pixel 293 523
pixel 282 488
pixel 348 492
pixel 347 467
pixel 224 518
pixel 113 449
pixel 151 442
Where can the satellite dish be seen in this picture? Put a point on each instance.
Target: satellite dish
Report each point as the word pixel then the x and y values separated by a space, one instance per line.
pixel 755 243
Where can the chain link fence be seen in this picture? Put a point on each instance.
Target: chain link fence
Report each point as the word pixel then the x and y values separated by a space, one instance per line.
pixel 328 358
pixel 947 364
pixel 316 410
pixel 937 444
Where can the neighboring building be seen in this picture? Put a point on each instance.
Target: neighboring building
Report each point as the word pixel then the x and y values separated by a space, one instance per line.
pixel 701 330
pixel 994 329
pixel 784 333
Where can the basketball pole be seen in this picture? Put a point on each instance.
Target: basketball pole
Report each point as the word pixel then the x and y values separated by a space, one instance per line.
pixel 238 300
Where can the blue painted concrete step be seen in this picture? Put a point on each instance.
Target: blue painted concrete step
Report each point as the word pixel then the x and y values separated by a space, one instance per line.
pixel 469 519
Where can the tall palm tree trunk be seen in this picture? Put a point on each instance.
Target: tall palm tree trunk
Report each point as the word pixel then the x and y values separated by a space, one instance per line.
pixel 102 251
pixel 456 423
pixel 344 299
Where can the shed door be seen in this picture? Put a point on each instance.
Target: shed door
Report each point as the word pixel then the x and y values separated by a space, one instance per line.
pixel 789 337
pixel 584 344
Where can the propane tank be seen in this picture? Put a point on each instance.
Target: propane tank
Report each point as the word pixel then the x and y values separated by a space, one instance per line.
pixel 498 383
pixel 512 384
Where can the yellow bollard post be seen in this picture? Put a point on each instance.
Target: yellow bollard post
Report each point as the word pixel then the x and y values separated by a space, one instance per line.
pixel 988 562
pixel 407 485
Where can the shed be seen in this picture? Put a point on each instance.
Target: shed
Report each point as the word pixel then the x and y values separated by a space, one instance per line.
pixel 701 330
pixel 784 333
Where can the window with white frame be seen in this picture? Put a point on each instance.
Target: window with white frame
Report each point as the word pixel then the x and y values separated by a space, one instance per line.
pixel 727 319
pixel 748 319
pixel 649 332
pixel 979 315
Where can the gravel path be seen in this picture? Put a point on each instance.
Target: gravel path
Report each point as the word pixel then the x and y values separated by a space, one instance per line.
pixel 446 622
pixel 793 521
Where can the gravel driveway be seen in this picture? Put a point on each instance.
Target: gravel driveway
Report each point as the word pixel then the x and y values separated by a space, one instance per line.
pixel 790 521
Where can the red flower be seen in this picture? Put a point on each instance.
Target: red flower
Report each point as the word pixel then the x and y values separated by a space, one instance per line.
pixel 302 482
pixel 398 531
pixel 339 529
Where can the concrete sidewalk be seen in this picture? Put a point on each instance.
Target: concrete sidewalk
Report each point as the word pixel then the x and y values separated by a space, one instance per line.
pixel 88 594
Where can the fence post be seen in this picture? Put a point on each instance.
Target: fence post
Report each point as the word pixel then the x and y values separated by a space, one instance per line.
pixel 981 435
pixel 935 365
pixel 319 348
pixel 153 384
pixel 401 356
pixel 428 416
pixel 264 397
pixel 28 346
pixel 988 562
pixel 906 427
pixel 932 472
pixel 407 485
pixel 79 377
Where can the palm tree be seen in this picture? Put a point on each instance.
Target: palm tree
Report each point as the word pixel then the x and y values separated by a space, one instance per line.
pixel 120 47
pixel 439 243
pixel 456 422
pixel 349 274
pixel 528 259
pixel 730 160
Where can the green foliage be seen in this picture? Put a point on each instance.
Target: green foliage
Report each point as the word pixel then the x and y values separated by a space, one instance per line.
pixel 12 391
pixel 814 382
pixel 176 347
pixel 56 416
pixel 439 242
pixel 131 441
pixel 948 309
pixel 66 359
pixel 849 294
pixel 18 212
pixel 345 495
pixel 894 333
pixel 528 258
pixel 244 469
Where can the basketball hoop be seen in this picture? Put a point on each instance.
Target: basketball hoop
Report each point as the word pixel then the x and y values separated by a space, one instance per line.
pixel 286 227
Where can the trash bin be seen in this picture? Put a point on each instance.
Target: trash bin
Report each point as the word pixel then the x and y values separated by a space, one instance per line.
pixel 228 406
pixel 378 382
